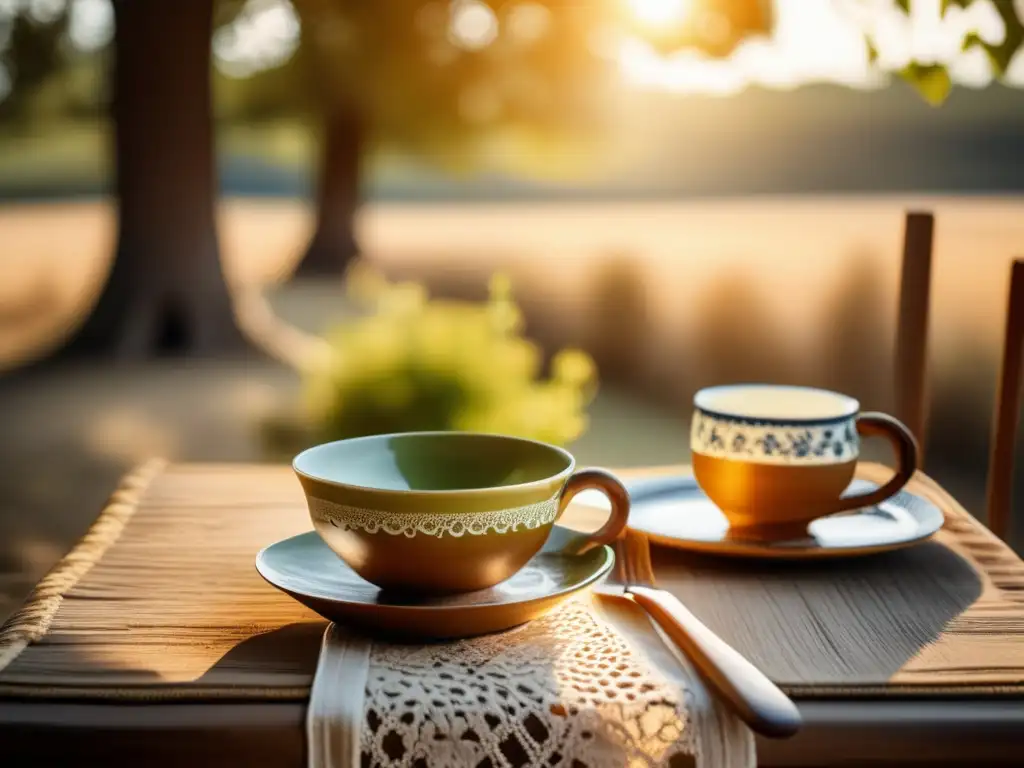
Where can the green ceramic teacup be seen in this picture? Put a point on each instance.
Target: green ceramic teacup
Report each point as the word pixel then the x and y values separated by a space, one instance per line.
pixel 444 512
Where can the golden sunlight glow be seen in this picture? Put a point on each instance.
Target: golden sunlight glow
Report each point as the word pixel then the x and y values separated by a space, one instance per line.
pixel 660 13
pixel 473 25
pixel 821 41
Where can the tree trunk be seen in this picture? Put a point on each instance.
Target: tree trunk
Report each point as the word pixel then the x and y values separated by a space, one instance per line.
pixel 165 293
pixel 333 246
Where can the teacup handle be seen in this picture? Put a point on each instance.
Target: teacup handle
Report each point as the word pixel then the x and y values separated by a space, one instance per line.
pixel 610 486
pixel 905 446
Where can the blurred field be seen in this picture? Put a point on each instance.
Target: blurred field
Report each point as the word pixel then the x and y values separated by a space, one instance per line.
pixel 757 269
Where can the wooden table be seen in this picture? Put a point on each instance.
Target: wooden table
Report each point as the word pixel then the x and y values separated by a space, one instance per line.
pixel 192 701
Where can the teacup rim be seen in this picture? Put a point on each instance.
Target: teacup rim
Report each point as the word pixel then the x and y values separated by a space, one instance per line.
pixel 852 405
pixel 570 465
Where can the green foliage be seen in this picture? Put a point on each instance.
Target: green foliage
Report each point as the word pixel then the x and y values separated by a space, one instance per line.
pixel 872 50
pixel 413 363
pixel 932 80
pixel 33 54
pixel 1001 54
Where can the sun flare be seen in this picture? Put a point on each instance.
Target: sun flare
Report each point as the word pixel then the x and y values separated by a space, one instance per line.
pixel 815 41
pixel 660 13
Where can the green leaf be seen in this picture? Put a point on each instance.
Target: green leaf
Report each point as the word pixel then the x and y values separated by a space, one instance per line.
pixel 872 51
pixel 972 40
pixel 903 5
pixel 947 4
pixel 931 81
pixel 1002 54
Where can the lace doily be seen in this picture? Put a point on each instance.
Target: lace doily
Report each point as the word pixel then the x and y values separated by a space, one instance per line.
pixel 565 690
pixel 454 524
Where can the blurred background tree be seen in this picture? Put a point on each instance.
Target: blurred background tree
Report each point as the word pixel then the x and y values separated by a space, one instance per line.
pixel 165 292
pixel 465 84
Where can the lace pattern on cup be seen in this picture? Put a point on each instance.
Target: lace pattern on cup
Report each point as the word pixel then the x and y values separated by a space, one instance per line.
pixel 563 690
pixel 765 443
pixel 439 524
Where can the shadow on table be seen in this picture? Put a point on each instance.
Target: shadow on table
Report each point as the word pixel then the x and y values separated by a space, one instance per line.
pixel 840 622
pixel 285 657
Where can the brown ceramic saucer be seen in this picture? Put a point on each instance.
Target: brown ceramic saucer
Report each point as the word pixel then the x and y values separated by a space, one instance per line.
pixel 675 512
pixel 304 567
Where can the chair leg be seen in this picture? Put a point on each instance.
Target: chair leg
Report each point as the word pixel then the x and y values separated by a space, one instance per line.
pixel 1007 410
pixel 911 364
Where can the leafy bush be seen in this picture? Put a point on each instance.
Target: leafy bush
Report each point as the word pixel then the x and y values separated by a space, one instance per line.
pixel 414 363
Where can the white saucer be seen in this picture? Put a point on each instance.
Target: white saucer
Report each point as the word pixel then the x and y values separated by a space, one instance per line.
pixel 675 512
pixel 304 567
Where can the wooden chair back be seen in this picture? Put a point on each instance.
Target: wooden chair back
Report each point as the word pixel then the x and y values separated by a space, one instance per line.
pixel 911 363
pixel 1007 409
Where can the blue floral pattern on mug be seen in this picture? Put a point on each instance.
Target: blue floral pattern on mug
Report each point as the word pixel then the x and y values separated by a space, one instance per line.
pixel 830 442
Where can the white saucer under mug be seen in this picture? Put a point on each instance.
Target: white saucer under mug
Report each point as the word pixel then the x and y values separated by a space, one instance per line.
pixel 304 567
pixel 673 511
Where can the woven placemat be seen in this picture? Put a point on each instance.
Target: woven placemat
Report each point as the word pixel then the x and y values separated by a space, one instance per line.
pixel 160 601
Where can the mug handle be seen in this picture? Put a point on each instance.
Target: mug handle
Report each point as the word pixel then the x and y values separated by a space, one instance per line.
pixel 902 439
pixel 610 486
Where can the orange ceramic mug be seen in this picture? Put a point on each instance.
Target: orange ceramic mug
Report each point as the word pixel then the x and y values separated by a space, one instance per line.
pixel 773 458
